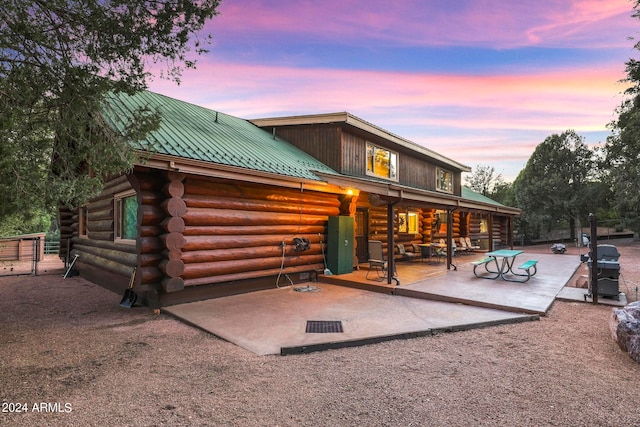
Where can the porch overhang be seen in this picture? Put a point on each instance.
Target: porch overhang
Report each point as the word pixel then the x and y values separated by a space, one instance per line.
pixel 393 192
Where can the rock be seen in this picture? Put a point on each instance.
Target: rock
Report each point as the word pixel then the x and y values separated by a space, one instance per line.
pixel 625 329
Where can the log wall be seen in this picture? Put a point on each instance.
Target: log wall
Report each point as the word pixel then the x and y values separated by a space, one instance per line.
pixel 151 190
pixel 197 231
pixel 98 249
pixel 464 224
pixel 235 231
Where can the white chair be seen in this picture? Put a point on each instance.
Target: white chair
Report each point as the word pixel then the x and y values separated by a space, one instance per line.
pixel 469 245
pixel 464 249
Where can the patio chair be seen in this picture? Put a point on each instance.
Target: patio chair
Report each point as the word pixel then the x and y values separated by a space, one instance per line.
pixel 377 262
pixel 440 253
pixel 469 245
pixel 453 247
pixel 418 252
pixel 464 249
pixel 404 255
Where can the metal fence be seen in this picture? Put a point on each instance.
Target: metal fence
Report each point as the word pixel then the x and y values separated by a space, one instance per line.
pixel 19 256
pixel 51 247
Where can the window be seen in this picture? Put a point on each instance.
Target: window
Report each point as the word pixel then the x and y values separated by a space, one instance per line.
pixel 441 221
pixel 408 222
pixel 484 225
pixel 83 221
pixel 402 222
pixel 412 222
pixel 444 180
pixel 126 216
pixel 381 162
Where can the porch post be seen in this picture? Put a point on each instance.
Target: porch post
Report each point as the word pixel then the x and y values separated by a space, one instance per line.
pixel 490 232
pixel 510 225
pixel 593 245
pixel 391 263
pixel 449 238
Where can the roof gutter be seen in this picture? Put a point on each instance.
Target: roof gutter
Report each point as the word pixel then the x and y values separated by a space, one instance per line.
pixel 216 170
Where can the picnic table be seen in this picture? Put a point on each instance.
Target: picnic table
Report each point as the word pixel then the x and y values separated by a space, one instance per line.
pixel 500 264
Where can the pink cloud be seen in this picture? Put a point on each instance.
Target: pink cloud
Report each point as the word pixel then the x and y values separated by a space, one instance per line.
pixel 550 23
pixel 578 97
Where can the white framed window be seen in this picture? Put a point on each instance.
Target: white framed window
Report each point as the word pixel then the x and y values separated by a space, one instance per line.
pixel 83 222
pixel 444 180
pixel 125 208
pixel 382 163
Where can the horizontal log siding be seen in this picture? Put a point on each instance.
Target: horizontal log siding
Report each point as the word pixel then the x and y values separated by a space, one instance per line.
pixel 235 231
pixel 98 248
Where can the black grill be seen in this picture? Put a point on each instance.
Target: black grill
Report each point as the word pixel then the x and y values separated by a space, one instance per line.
pixel 324 326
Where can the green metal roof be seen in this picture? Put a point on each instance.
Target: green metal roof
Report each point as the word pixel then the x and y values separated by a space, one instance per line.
pixel 469 194
pixel 197 133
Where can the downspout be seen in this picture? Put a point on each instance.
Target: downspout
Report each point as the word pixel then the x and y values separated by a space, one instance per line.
pixel 391 263
pixel 450 240
pixel 510 225
pixel 490 224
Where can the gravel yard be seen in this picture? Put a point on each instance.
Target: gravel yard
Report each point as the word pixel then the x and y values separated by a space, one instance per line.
pixel 72 356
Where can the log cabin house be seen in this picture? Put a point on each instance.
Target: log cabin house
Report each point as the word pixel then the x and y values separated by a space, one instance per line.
pixel 218 205
pixel 408 194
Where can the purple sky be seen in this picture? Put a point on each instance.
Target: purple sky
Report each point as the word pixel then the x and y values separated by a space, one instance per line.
pixel 480 81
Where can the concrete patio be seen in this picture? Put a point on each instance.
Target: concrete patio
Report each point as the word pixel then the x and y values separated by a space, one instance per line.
pixel 430 300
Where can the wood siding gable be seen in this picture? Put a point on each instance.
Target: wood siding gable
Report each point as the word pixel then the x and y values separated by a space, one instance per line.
pixel 343 149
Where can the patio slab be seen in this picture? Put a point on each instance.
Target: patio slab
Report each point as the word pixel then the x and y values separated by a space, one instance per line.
pixel 581 295
pixel 462 286
pixel 274 321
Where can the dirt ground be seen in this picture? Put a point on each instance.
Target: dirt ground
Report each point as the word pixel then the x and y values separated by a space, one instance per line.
pixel 71 356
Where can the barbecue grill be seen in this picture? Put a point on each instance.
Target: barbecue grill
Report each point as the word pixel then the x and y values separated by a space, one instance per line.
pixel 608 271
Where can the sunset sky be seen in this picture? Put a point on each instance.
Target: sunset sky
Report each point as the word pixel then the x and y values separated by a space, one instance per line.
pixel 480 81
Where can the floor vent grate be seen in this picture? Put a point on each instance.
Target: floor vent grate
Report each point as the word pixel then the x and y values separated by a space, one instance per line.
pixel 324 326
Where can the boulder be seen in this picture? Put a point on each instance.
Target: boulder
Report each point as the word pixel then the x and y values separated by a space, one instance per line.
pixel 625 329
